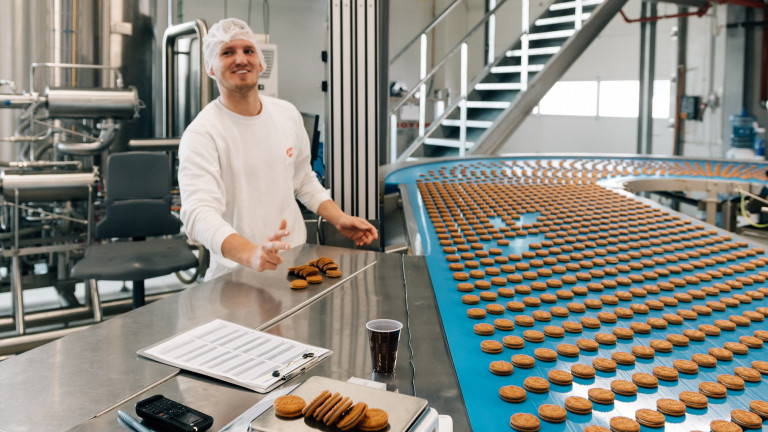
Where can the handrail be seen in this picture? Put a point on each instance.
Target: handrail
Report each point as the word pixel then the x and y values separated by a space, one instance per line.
pixel 428 28
pixel 445 58
pixel 420 140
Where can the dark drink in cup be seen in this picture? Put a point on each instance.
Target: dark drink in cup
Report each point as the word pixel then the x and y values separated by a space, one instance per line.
pixel 383 338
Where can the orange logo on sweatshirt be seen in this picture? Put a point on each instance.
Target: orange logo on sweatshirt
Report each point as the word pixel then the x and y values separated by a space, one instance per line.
pixel 289 152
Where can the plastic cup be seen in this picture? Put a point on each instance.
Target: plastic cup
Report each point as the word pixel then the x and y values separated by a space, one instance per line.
pixel 383 338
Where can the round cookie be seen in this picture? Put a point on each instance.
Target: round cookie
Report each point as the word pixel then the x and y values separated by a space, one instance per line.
pixel 624 424
pixel 333 415
pixel 693 399
pixel 670 407
pixel 650 418
pixel 512 393
pixel 309 410
pixel 536 384
pixel 351 418
pixel 299 284
pixel 601 395
pixel 375 420
pixel 289 406
pixel 578 405
pixel 552 413
pixel 524 422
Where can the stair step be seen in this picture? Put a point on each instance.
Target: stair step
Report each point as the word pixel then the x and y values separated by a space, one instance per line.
pixel 498 86
pixel 470 123
pixel 572 4
pixel 559 34
pixel 559 20
pixel 488 104
pixel 516 69
pixel 534 51
pixel 446 142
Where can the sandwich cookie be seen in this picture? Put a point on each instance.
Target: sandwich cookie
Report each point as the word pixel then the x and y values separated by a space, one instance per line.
pixel 670 407
pixel 693 399
pixel 601 396
pixel 375 420
pixel 351 418
pixel 552 413
pixel 746 419
pixel 578 405
pixel 524 422
pixel 512 393
pixel 289 406
pixel 624 424
pixel 650 418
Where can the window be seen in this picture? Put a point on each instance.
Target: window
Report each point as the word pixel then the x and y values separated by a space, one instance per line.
pixel 603 99
pixel 576 98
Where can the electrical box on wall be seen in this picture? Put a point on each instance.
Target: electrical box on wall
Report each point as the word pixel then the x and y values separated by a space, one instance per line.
pixel 268 77
pixel 690 108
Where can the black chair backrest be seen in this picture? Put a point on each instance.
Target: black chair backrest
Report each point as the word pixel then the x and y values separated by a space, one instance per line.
pixel 138 200
pixel 312 125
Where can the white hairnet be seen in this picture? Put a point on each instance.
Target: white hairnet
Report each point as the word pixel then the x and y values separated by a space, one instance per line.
pixel 223 32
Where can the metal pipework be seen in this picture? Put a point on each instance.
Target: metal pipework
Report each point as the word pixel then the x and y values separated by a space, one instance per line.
pixel 35 186
pixel 196 27
pixel 92 103
pixel 106 137
pixel 17 100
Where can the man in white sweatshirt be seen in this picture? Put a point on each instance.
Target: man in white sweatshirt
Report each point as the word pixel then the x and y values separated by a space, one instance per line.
pixel 243 162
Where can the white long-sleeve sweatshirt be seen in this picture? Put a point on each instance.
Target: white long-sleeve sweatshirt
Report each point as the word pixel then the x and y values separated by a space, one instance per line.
pixel 241 174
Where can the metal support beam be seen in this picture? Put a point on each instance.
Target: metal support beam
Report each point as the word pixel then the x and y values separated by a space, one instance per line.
pixel 647 67
pixel 355 127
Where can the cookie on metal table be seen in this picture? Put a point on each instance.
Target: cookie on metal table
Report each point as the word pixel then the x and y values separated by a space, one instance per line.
pixel 289 406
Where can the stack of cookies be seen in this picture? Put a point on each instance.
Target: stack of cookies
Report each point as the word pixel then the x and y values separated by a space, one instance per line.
pixel 333 409
pixel 310 273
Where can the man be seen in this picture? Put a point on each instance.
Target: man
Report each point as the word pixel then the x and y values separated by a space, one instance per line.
pixel 244 160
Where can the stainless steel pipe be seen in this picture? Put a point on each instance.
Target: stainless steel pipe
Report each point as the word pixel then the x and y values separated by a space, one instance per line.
pixel 92 103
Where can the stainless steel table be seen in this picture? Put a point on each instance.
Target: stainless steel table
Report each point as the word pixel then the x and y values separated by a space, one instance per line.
pixel 79 381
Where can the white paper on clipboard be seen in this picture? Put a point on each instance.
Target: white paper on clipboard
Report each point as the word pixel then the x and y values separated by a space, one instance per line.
pixel 236 354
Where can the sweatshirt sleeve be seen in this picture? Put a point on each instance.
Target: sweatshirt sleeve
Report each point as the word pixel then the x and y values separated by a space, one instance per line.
pixel 306 186
pixel 202 190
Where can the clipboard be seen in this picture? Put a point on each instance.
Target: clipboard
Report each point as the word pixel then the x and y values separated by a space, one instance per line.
pixel 233 353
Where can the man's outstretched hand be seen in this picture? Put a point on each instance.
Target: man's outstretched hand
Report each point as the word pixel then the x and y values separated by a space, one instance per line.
pixel 357 229
pixel 266 255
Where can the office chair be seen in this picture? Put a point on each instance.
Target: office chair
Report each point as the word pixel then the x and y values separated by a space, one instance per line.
pixel 137 206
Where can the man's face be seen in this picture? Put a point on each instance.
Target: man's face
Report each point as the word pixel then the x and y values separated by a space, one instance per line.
pixel 238 66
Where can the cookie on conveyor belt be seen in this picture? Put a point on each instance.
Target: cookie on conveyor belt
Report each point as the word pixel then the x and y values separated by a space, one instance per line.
pixel 724 426
pixel 375 420
pixel 693 399
pixel 536 384
pixel 624 424
pixel 351 418
pixel 650 418
pixel 601 396
pixel 289 406
pixel 512 393
pixel 746 419
pixel 552 413
pixel 578 405
pixel 524 422
pixel 759 407
pixel 670 407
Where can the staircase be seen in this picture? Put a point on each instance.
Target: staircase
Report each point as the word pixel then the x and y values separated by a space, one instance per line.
pixel 499 99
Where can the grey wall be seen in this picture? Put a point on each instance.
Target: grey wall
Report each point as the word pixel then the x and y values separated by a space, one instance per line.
pixel 298 29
